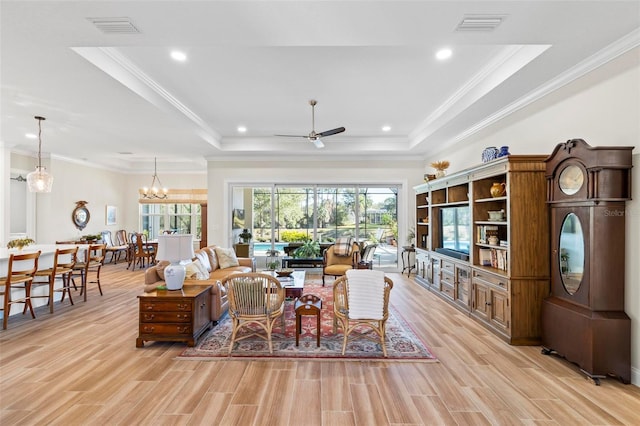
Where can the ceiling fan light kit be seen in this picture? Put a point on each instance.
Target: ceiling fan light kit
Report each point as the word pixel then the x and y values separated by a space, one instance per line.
pixel 314 137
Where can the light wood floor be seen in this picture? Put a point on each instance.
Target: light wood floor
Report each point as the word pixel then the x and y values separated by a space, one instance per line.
pixel 80 366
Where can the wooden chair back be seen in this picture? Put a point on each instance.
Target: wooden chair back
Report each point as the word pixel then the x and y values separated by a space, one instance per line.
pixel 121 237
pixel 21 269
pixel 64 260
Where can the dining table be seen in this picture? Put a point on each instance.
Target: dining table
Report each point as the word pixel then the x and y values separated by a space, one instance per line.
pixel 45 261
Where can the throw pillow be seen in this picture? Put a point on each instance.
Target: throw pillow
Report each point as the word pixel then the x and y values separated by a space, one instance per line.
pixel 203 274
pixel 226 257
pixel 160 268
pixel 204 260
pixel 191 271
pixel 195 271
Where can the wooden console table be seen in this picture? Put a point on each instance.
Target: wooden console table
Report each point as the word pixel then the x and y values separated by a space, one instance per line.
pixel 302 262
pixel 175 315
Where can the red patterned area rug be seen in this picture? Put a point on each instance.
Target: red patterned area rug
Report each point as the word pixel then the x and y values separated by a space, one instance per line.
pixel 401 341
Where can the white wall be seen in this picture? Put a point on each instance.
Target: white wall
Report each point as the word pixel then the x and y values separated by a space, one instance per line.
pixel 603 108
pixel 99 187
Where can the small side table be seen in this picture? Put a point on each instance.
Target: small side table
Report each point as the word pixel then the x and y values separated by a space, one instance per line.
pixel 364 265
pixel 406 265
pixel 310 305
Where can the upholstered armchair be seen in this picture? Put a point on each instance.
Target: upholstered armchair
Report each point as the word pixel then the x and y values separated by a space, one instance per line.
pixel 335 265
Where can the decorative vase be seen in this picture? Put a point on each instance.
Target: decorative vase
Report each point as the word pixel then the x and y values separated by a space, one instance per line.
pixel 440 173
pixel 498 189
pixel 489 153
pixel 504 150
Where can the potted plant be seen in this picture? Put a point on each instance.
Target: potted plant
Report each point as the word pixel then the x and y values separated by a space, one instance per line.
pixel 411 235
pixel 273 265
pixel 245 236
pixel 19 243
pixel 91 239
pixel 308 249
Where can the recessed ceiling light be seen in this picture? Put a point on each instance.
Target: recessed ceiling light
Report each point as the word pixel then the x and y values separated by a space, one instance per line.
pixel 242 129
pixel 386 128
pixel 31 136
pixel 443 54
pixel 178 56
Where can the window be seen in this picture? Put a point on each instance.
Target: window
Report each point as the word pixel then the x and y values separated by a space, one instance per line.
pixel 278 215
pixel 174 217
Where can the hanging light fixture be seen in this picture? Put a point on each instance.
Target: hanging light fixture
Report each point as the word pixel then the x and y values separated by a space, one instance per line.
pixel 39 180
pixel 155 192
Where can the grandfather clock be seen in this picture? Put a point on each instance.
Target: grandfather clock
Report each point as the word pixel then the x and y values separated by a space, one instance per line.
pixel 584 320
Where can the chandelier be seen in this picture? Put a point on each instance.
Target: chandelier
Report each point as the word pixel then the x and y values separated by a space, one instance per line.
pixel 39 180
pixel 155 192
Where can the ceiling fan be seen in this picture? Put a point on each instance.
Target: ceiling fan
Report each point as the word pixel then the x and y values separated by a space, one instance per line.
pixel 313 136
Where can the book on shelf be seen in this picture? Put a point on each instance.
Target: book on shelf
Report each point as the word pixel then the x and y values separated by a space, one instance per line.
pixel 484 257
pixel 484 232
pixel 494 258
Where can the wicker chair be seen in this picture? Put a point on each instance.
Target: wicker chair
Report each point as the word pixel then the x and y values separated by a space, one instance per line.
pixel 254 298
pixel 361 298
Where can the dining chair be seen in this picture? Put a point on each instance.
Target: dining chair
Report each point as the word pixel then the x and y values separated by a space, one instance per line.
pixel 21 269
pixel 92 262
pixel 63 262
pixel 121 237
pixel 116 250
pixel 361 298
pixel 254 298
pixel 140 252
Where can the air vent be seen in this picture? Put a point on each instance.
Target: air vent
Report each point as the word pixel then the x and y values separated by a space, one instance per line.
pixel 480 22
pixel 114 25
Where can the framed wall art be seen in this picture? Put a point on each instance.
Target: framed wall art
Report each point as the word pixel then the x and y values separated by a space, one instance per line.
pixel 111 215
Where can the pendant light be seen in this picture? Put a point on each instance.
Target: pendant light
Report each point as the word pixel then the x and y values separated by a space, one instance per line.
pixel 155 192
pixel 39 180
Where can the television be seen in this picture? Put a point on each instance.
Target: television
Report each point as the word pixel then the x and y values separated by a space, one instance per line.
pixel 455 232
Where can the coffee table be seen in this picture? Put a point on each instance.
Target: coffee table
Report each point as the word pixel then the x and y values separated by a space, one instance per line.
pixel 293 284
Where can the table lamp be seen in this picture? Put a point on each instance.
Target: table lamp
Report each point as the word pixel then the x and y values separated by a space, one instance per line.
pixel 175 248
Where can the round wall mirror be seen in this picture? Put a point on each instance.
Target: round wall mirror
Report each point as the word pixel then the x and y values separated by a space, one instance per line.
pixel 80 215
pixel 571 253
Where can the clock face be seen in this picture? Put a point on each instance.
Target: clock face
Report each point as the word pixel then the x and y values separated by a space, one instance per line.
pixel 571 179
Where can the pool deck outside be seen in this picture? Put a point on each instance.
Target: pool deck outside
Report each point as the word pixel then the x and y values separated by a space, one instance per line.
pixel 386 255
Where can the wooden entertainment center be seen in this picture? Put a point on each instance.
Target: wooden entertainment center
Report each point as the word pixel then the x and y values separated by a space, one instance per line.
pixel 493 266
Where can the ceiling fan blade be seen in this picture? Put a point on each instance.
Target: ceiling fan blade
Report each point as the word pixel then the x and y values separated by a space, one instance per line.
pixel 332 131
pixel 292 136
pixel 317 142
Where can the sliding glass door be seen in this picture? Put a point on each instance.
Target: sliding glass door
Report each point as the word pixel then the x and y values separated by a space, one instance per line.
pixel 282 216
